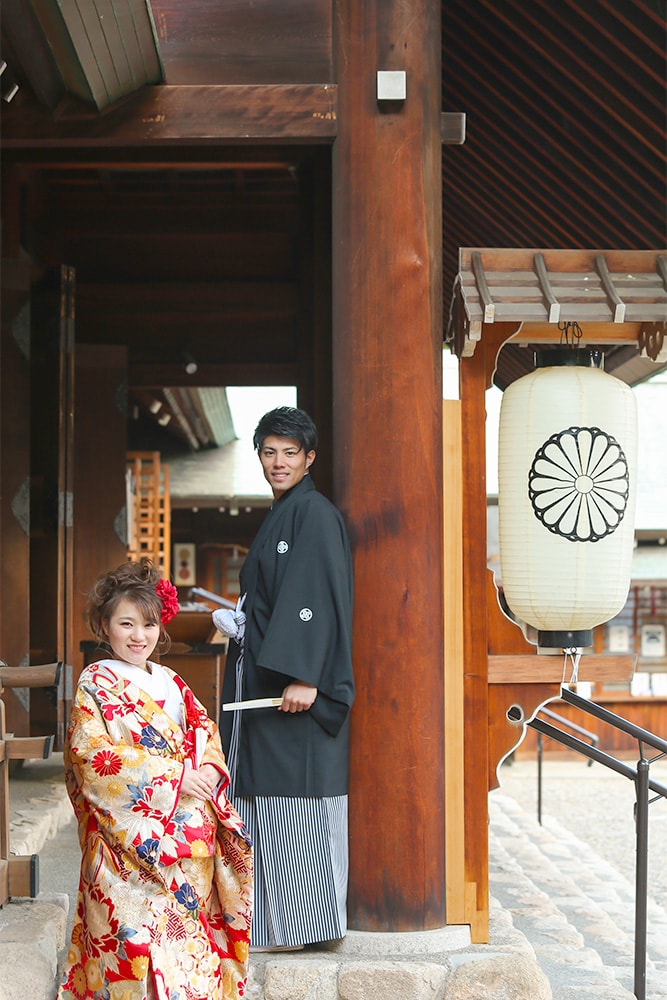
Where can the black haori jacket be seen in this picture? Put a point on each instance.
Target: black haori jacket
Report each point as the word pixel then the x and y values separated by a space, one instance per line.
pixel 297 577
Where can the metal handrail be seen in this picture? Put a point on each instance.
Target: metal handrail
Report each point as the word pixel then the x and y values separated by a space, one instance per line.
pixel 593 737
pixel 594 754
pixel 643 783
pixel 613 720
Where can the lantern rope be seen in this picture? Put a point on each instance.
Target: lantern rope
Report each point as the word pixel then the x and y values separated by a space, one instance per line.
pixel 573 654
pixel 570 333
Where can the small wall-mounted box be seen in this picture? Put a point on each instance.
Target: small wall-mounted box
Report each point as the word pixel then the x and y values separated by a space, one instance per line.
pixel 391 85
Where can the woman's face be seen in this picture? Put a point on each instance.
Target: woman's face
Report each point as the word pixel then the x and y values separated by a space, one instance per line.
pixel 131 637
pixel 284 463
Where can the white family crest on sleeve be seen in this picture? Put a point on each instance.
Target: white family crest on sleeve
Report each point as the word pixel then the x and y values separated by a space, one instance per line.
pixel 305 614
pixel 282 547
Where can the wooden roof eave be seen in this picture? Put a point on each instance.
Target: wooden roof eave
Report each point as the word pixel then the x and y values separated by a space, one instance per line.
pixel 98 53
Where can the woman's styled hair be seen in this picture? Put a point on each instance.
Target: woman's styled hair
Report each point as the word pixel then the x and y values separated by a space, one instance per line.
pixel 135 581
pixel 287 422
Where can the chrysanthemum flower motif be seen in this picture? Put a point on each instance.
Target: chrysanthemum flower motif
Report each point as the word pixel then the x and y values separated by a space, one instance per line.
pixel 578 484
pixel 106 762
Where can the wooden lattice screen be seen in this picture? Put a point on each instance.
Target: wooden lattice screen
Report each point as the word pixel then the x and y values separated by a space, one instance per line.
pixel 149 509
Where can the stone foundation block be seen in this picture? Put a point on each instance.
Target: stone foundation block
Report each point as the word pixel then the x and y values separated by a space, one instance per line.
pixel 31 934
pixel 300 980
pixel 511 977
pixel 26 972
pixel 392 981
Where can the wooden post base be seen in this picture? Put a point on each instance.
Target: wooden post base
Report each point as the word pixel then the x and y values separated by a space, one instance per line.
pixel 23 875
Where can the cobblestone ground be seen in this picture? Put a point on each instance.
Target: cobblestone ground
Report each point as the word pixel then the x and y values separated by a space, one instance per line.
pixel 596 805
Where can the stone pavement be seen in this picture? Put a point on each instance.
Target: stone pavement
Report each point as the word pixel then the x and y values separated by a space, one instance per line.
pixel 33 933
pixel 569 883
pixel 562 916
pixel 576 909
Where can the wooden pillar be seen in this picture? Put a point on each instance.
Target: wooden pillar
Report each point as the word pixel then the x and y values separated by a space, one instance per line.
pixel 387 339
pixel 473 381
pixel 14 451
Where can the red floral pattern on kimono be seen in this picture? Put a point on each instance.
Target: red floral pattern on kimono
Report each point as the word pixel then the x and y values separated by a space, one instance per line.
pixel 165 893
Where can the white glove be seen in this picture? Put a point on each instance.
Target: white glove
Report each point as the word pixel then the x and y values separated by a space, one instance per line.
pixel 231 623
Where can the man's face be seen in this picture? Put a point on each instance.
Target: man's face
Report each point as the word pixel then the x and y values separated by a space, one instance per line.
pixel 284 463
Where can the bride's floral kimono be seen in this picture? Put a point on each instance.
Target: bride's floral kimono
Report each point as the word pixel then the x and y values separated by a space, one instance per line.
pixel 165 894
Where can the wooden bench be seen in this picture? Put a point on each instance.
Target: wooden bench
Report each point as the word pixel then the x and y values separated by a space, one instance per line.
pixel 19 874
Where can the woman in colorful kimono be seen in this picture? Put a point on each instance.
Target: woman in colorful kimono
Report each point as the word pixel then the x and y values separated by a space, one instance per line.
pixel 165 893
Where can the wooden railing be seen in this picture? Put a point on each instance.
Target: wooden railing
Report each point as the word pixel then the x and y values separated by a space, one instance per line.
pixel 19 874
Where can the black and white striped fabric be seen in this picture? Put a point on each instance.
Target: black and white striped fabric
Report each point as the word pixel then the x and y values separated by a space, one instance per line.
pixel 301 859
pixel 301 868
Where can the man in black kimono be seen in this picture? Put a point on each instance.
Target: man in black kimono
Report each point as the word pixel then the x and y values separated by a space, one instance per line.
pixel 290 764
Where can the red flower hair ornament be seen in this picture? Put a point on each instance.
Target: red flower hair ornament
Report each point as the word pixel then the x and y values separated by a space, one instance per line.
pixel 168 595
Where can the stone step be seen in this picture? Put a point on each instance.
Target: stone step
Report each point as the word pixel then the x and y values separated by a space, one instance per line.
pixel 576 910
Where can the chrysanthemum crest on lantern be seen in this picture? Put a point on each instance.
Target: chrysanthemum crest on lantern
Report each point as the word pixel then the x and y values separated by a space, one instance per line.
pixel 578 484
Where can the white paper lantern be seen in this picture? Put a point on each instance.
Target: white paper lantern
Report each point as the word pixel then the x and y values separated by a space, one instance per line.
pixel 566 496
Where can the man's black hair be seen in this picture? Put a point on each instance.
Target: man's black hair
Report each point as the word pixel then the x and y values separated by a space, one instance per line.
pixel 286 421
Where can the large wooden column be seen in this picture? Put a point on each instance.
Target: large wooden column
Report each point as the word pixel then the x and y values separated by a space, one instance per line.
pixel 387 337
pixel 14 452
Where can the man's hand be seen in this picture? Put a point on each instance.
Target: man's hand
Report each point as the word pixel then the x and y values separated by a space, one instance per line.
pixel 200 784
pixel 298 697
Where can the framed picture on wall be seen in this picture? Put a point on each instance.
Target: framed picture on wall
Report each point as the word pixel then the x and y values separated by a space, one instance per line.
pixel 619 639
pixel 653 640
pixel 184 565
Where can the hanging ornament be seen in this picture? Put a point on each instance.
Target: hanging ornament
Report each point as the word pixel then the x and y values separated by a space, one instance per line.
pixel 566 495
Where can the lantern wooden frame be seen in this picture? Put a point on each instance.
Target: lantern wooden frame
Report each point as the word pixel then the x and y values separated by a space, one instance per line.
pixel 490 649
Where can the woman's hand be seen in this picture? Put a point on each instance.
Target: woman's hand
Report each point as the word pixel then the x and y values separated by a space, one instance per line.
pixel 200 784
pixel 298 697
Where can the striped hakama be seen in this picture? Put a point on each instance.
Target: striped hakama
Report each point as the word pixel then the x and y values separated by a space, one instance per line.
pixel 300 892
pixel 301 888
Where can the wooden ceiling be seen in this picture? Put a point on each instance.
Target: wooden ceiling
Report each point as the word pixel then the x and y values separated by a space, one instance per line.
pixel 204 244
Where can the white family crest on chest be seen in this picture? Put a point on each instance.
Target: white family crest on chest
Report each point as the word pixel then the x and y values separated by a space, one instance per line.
pixel 282 547
pixel 305 614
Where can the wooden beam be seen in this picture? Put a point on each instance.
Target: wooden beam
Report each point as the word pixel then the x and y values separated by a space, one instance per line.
pixel 541 669
pixel 592 333
pixel 166 115
pixel 501 259
pixel 38 675
pixel 147 376
pixel 191 299
pixel 28 747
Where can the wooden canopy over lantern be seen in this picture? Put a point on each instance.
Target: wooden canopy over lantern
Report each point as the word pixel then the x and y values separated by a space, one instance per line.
pixel 618 297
